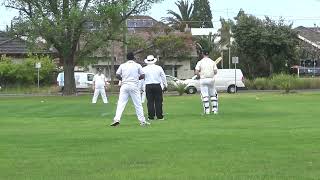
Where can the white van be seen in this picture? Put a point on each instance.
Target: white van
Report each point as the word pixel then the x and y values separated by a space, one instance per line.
pixel 83 80
pixel 224 81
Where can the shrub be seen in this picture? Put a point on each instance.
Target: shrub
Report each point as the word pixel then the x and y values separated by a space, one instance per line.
pixel 180 88
pixel 284 82
pixel 25 73
pixel 249 84
pixel 260 83
pixel 171 87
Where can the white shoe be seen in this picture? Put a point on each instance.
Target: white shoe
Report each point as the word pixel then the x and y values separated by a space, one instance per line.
pixel 215 112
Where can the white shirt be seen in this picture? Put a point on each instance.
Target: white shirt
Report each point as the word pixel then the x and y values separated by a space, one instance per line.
pixel 60 79
pixel 154 74
pixel 130 72
pixel 99 81
pixel 206 67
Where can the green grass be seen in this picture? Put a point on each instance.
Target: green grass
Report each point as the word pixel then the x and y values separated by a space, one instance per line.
pixel 254 136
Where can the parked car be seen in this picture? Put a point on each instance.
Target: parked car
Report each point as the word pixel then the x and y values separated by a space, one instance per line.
pixel 173 80
pixel 83 80
pixel 224 81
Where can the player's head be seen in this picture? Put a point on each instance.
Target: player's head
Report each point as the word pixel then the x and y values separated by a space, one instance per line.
pixel 99 70
pixel 205 52
pixel 130 56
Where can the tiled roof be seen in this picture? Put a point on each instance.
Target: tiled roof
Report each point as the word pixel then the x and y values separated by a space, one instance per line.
pixel 309 35
pixel 15 45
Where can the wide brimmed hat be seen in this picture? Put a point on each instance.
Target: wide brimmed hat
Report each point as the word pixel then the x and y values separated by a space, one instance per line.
pixel 150 60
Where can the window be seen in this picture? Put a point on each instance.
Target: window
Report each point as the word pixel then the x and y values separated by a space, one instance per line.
pixel 90 77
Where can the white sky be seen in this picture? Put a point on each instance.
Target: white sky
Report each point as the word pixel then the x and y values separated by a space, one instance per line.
pixel 298 12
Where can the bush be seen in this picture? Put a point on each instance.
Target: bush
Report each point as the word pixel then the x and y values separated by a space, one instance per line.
pixel 171 87
pixel 249 83
pixel 261 83
pixel 284 82
pixel 25 73
pixel 180 88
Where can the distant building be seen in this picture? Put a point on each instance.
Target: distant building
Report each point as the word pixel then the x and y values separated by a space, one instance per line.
pixel 17 48
pixel 147 28
pixel 310 44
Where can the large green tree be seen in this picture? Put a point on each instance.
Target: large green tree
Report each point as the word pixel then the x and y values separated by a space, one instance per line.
pixel 64 25
pixel 264 46
pixel 201 14
pixel 183 18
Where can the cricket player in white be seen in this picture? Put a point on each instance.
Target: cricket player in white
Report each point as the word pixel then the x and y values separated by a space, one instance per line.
pixel 129 73
pixel 99 86
pixel 206 69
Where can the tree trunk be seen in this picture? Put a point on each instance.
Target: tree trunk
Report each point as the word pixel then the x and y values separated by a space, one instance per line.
pixel 112 65
pixel 270 69
pixel 69 81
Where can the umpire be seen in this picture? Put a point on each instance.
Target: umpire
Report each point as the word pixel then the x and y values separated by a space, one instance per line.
pixel 155 79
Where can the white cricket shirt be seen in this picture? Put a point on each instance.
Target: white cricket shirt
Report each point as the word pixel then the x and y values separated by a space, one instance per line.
pixel 206 67
pixel 130 72
pixel 99 81
pixel 154 74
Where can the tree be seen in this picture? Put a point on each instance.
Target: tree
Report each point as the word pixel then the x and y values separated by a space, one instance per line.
pixel 64 26
pixel 201 14
pixel 179 21
pixel 171 46
pixel 264 46
pixel 225 40
pixel 225 32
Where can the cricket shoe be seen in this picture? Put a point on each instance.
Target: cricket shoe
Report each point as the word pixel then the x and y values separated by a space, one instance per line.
pixel 145 123
pixel 115 123
pixel 215 112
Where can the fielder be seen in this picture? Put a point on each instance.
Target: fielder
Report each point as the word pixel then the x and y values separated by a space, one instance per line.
pixel 206 69
pixel 99 86
pixel 129 74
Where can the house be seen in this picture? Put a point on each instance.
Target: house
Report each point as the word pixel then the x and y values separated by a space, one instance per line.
pixel 146 28
pixel 310 46
pixel 17 48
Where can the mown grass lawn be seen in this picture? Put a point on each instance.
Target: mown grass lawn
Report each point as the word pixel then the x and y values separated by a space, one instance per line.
pixel 254 136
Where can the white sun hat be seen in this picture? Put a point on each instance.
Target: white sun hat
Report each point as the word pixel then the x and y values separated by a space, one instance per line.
pixel 150 60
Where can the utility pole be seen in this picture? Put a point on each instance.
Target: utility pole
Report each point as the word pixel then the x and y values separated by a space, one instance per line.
pixel 229 56
pixel 125 33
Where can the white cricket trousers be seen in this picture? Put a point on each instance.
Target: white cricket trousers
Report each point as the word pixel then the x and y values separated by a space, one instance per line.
pixel 96 94
pixel 133 91
pixel 209 93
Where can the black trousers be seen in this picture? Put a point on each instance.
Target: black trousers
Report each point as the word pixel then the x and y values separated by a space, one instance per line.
pixel 155 99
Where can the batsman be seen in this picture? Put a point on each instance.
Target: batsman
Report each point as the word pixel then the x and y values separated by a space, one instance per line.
pixel 206 69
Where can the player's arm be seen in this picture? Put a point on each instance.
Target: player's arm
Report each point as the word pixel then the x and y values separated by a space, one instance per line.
pixel 119 72
pixel 142 76
pixel 197 70
pixel 215 69
pixel 105 81
pixel 141 73
pixel 163 79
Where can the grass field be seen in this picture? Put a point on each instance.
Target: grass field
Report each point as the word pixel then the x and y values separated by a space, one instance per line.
pixel 254 136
